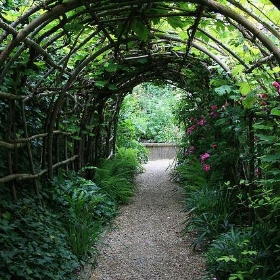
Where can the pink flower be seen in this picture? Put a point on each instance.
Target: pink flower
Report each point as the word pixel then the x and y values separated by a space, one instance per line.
pixel 193 119
pixel 191 149
pixel 206 167
pixel 277 85
pixel 190 129
pixel 204 157
pixel 202 121
pixel 214 107
pixel 214 114
pixel 257 172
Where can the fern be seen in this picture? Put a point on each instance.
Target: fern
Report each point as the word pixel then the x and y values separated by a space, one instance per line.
pixel 115 176
pixel 191 174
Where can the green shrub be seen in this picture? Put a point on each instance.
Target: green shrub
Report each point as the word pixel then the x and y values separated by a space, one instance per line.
pixel 85 210
pixel 125 164
pixel 115 176
pixel 207 226
pixel 84 223
pixel 266 238
pixel 127 139
pixel 209 208
pixel 51 240
pixel 83 235
pixel 190 174
pixel 33 242
pixel 232 256
pixel 76 194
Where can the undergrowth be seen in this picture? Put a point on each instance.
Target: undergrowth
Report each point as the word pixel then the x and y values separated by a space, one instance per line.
pixel 216 213
pixel 33 241
pixel 115 176
pixel 53 237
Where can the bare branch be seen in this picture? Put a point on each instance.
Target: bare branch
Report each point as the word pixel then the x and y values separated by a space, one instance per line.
pixel 21 177
pixel 11 96
pixel 259 63
pixel 21 142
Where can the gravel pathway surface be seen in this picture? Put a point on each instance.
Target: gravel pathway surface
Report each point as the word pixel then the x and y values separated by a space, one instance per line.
pixel 145 242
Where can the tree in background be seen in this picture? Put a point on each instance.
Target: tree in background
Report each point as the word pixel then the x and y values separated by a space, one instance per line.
pixel 147 114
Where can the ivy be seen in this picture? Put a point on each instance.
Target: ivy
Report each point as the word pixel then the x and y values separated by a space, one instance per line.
pixel 32 238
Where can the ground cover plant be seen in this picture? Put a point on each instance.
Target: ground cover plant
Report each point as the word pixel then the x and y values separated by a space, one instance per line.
pixel 33 238
pixel 60 231
pixel 116 176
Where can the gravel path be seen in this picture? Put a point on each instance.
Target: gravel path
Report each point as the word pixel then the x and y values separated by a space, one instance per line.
pixel 145 243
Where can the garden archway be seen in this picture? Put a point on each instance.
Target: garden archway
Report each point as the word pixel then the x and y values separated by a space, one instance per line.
pixel 66 65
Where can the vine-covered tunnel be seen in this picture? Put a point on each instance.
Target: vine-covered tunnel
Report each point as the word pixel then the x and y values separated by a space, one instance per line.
pixel 67 65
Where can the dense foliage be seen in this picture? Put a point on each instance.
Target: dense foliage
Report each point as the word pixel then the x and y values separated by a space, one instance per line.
pixel 229 166
pixel 65 69
pixel 52 238
pixel 147 114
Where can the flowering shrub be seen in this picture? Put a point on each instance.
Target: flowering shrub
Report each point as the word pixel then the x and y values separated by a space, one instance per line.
pixel 277 85
pixel 206 167
pixel 202 121
pixel 204 157
pixel 232 147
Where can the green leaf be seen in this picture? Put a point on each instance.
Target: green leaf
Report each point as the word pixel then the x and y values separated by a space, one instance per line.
pixel 245 88
pixel 270 158
pixel 183 35
pixel 143 60
pixel 261 126
pixel 227 259
pixel 112 87
pixel 29 271
pixel 199 34
pixel 249 252
pixel 100 83
pixel 275 111
pixel 236 276
pixel 222 90
pixel 110 67
pixel 39 63
pixel 6 215
pixel 140 29
pixel 122 29
pixel 249 100
pixel 76 137
pixel 267 139
pixel 276 69
pixel 274 172
pixel 237 70
pixel 175 22
pixel 220 27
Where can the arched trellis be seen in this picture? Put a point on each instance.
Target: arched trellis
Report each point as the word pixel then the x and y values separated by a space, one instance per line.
pixel 94 132
pixel 64 62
